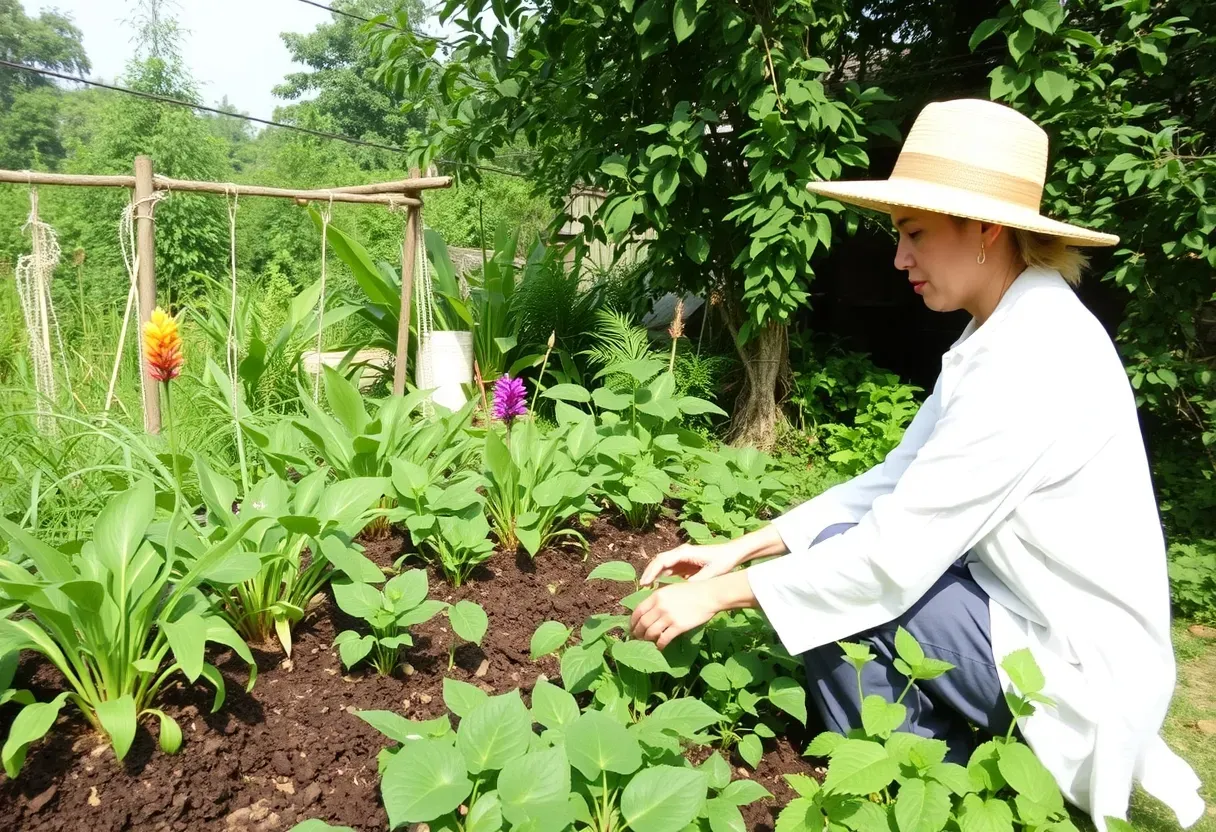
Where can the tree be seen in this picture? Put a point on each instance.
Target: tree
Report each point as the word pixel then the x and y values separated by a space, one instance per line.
pixel 702 120
pixel 346 97
pixel 29 103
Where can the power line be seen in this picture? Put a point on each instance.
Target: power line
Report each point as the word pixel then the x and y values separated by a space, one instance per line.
pixel 381 24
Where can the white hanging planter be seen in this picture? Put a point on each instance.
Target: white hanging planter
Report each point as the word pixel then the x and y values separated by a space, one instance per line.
pixel 445 363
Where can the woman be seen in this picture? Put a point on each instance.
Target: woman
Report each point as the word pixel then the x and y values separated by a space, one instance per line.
pixel 1017 512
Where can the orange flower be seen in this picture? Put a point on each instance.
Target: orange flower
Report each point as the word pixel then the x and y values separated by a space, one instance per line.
pixel 162 346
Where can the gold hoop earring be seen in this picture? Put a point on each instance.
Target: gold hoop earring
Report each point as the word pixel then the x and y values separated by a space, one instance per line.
pixel 983 257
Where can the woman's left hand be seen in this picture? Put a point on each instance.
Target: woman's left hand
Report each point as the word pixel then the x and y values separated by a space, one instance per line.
pixel 673 610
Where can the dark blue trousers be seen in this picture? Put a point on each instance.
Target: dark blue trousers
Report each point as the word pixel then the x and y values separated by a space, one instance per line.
pixel 951 623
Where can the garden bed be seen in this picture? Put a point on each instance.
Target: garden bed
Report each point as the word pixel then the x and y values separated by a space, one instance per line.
pixel 290 749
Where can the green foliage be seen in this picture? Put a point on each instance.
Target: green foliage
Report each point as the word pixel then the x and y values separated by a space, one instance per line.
pixel 119 618
pixel 1004 786
pixel 731 492
pixel 1192 570
pixel 884 411
pixel 1117 83
pixel 444 514
pixel 388 613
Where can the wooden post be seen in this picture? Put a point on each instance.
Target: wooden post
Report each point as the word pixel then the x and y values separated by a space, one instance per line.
pixel 409 257
pixel 145 247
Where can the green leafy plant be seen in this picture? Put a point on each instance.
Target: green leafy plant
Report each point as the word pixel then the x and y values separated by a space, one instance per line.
pixel 1192 569
pixel 641 447
pixel 884 412
pixel 119 619
pixel 285 519
pixel 534 483
pixel 469 623
pixel 586 770
pixel 880 777
pixel 446 522
pixel 731 492
pixel 388 613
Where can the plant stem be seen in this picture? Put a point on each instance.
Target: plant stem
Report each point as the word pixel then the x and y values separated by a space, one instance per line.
pixel 540 378
pixel 171 429
pixel 908 687
pixel 671 365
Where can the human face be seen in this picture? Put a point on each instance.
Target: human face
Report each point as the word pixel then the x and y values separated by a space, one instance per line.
pixel 939 254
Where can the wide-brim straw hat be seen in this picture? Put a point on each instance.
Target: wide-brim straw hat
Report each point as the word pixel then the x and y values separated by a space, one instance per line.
pixel 969 158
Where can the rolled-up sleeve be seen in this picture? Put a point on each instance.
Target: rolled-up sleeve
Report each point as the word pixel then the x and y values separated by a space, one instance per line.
pixel 849 501
pixel 985 452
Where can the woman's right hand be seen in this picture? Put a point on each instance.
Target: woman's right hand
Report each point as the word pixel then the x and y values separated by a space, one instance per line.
pixel 696 563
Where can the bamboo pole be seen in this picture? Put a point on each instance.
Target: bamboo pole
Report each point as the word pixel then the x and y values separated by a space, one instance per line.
pixel 145 247
pixel 388 193
pixel 409 259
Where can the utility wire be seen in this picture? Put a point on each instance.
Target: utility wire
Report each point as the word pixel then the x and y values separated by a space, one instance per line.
pixel 383 25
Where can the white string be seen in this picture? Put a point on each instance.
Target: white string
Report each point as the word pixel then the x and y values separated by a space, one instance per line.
pixel 325 218
pixel 232 197
pixel 423 294
pixel 34 274
pixel 130 258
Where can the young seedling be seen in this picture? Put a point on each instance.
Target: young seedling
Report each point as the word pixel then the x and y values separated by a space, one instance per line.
pixel 389 615
pixel 469 623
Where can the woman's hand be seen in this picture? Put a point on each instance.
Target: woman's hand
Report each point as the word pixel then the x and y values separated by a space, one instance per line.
pixel 696 563
pixel 673 610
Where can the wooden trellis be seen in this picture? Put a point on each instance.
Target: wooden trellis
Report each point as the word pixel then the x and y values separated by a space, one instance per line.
pixel 405 193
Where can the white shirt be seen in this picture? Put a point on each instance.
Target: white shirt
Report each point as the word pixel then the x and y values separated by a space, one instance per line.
pixel 1028 455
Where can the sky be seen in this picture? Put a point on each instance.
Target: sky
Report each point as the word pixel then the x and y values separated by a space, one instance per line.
pixel 232 47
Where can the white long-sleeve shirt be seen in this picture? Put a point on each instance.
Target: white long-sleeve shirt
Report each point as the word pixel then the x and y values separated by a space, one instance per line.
pixel 1028 455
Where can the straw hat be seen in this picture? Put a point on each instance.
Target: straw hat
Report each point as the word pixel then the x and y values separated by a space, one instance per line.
pixel 973 159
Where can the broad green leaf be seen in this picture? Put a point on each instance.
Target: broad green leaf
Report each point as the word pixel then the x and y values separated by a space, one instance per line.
pixel 1024 671
pixel 1038 20
pixel 1021 41
pixel 724 816
pixel 535 789
pixel 549 637
pixel 953 776
pixel 984 31
pixel 344 400
pixel 860 767
pixel 616 166
pixel 717 770
pixel 495 733
pixel 357 599
pixel 119 530
pixel 582 665
pixel 553 707
pixel 170 739
pixel 29 726
pixel 824 744
pixel 423 781
pixel 684 22
pixel 614 570
pixel 908 648
pixel 687 716
pixel 663 799
pixel 787 694
pixel 315 825
pixel 751 749
pixel 1114 824
pixel 117 718
pixel 640 655
pixel 692 406
pixel 343 502
pixel 983 768
pixel 485 815
pixel 567 393
pixel 1022 770
pixel 880 717
pixel 715 676
pixel 350 562
pixel 857 655
pixel 665 183
pixel 922 806
pixel 743 792
pixel 801 815
pixel 598 624
pixel 187 640
pixel 595 743
pixel 1054 86
pixel 462 698
pixel 979 815
pixel 402 730
pixel 469 621
pixel 805 786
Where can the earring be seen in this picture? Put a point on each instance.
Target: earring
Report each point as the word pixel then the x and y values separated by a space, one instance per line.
pixel 983 257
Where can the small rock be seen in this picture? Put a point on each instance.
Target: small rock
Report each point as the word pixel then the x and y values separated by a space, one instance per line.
pixel 611 547
pixel 407 669
pixel 744 772
pixel 349 679
pixel 179 800
pixel 405 705
pixel 482 668
pixel 1207 726
pixel 542 677
pixel 1202 631
pixel 99 750
pixel 312 794
pixel 94 800
pixel 424 698
pixel 280 764
pixel 325 710
pixel 272 822
pixel 331 671
pixel 515 676
pixel 212 745
pixel 286 787
pixel 41 800
pixel 488 688
pixel 239 817
pixel 259 811
pixel 230 726
pixel 288 665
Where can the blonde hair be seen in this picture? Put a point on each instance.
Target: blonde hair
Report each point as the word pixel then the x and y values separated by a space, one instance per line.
pixel 1047 252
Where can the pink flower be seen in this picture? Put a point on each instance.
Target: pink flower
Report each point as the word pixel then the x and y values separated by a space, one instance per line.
pixel 509 395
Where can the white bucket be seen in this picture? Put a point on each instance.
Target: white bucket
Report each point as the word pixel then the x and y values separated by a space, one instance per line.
pixel 445 362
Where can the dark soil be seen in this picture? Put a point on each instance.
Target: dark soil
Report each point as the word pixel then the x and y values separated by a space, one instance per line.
pixel 291 749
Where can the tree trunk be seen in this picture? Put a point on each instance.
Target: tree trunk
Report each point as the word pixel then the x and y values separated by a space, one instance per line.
pixel 765 358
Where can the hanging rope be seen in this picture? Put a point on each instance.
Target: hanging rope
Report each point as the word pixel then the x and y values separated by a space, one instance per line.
pixel 231 197
pixel 34 274
pixel 326 215
pixel 423 302
pixel 130 258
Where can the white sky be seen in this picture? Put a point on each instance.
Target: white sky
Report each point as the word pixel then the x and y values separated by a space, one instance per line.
pixel 231 47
